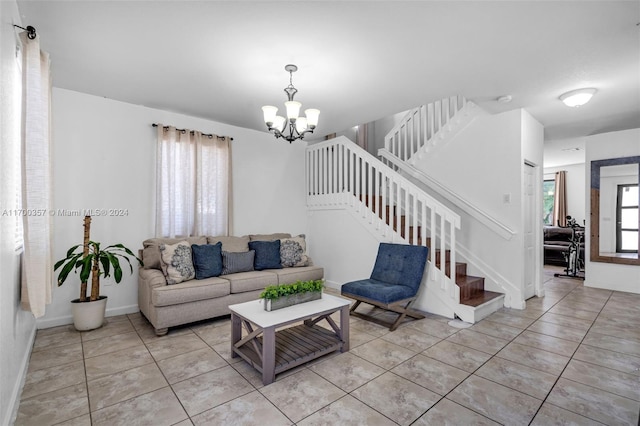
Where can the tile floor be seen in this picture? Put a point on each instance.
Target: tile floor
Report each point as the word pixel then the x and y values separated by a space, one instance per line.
pixel 572 357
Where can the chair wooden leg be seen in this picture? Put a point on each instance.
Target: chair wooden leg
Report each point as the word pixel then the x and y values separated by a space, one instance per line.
pixel 398 321
pixel 405 311
pixel 355 305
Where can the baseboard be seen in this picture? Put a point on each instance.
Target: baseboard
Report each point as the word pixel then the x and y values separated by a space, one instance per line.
pixel 68 319
pixel 333 285
pixel 14 401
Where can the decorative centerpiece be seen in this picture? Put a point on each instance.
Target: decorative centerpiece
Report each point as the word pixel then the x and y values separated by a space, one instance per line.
pixel 284 295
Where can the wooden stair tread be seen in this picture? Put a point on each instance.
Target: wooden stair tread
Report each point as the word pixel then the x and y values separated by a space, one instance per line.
pixel 468 280
pixel 480 298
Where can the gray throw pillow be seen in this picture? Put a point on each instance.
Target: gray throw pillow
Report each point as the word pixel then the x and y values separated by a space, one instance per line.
pixel 237 262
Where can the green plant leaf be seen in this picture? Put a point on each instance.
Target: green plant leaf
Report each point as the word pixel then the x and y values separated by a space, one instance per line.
pixel 105 264
pixel 62 277
pixel 86 267
pixel 72 249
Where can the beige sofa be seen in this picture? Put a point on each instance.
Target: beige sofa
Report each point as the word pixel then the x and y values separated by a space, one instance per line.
pixel 167 305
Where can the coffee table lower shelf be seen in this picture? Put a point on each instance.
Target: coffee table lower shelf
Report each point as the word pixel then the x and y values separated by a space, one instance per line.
pixel 294 346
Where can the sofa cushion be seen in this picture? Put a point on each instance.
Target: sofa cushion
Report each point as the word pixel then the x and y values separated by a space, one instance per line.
pixel 269 237
pixel 190 291
pixel 237 262
pixel 305 273
pixel 230 243
pixel 151 249
pixel 249 281
pixel 293 252
pixel 177 263
pixel 207 260
pixel 267 254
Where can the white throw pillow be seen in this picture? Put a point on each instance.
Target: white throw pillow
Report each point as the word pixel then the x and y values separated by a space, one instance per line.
pixel 177 264
pixel 293 252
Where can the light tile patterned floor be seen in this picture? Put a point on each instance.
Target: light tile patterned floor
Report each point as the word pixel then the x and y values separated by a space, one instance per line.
pixel 572 357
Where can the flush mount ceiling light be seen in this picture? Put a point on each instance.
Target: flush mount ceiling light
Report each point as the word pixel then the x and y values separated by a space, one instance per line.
pixel 576 98
pixel 296 127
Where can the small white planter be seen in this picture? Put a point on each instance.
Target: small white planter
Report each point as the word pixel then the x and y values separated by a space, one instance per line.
pixel 88 315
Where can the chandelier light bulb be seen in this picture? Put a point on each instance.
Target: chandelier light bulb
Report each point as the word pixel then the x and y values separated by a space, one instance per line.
pixel 312 117
pixel 279 122
pixel 269 114
pixel 301 124
pixel 293 110
pixel 576 98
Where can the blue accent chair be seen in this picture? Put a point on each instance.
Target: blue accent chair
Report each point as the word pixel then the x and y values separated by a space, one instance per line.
pixel 394 282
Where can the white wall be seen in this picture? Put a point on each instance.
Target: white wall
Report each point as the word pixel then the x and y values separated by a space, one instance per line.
pixel 483 164
pixel 606 275
pixel 576 191
pixel 342 245
pixel 17 327
pixel 104 158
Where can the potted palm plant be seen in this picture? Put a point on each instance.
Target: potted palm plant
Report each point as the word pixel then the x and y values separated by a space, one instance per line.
pixel 92 260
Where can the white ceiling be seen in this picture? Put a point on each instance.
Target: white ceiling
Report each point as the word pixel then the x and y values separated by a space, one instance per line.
pixel 358 60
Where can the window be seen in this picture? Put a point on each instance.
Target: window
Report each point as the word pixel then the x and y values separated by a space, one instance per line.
pixel 193 183
pixel 548 193
pixel 627 219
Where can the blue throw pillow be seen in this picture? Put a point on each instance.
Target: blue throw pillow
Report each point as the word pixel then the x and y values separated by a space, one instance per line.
pixel 267 254
pixel 207 260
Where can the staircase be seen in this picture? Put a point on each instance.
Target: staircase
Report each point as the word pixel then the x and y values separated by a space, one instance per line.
pixel 472 292
pixel 341 175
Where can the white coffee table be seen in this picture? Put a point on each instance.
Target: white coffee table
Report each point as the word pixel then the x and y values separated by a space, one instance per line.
pixel 272 351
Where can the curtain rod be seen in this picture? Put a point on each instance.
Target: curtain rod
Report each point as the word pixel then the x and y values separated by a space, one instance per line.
pixel 184 130
pixel 31 31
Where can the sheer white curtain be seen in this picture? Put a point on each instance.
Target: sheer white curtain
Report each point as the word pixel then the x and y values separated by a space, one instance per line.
pixel 36 178
pixel 193 184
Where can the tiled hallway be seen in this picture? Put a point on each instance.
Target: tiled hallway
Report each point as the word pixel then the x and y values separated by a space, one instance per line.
pixel 572 357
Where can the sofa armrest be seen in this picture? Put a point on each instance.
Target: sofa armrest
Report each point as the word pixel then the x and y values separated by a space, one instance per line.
pixel 148 279
pixel 152 278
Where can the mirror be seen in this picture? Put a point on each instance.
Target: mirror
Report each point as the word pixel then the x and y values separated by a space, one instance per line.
pixel 614 230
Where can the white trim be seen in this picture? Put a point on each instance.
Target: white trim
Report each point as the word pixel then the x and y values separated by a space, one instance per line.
pixel 14 401
pixel 68 319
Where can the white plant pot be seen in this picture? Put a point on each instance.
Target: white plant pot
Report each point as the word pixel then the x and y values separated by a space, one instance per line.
pixel 88 315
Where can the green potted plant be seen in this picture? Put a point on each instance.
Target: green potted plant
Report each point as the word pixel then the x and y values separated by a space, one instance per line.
pixel 283 295
pixel 92 260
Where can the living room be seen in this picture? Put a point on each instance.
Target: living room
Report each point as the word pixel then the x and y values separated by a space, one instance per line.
pixel 103 153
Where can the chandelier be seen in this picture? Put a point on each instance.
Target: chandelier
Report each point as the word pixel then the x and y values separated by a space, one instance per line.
pixel 293 127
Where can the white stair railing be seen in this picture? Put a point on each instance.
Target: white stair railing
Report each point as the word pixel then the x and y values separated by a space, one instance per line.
pixel 340 174
pixel 421 126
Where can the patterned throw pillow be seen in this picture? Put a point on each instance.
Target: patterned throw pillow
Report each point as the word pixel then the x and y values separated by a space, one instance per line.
pixel 176 262
pixel 237 262
pixel 293 252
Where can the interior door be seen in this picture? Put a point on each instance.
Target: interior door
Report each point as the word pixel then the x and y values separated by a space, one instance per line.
pixel 530 216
